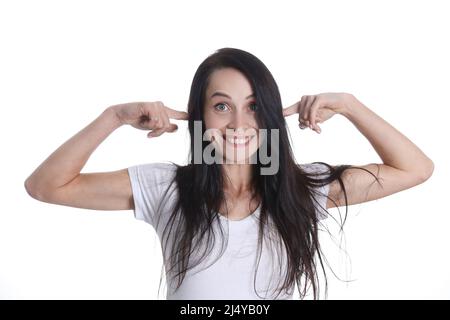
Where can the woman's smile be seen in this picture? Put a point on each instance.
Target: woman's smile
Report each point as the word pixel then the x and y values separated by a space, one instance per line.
pixel 238 142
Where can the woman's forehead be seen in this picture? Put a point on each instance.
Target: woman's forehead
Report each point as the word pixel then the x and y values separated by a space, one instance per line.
pixel 228 82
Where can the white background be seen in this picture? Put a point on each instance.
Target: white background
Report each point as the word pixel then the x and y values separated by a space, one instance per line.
pixel 63 63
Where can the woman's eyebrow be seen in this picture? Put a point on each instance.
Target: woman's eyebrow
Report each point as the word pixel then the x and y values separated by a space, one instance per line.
pixel 217 93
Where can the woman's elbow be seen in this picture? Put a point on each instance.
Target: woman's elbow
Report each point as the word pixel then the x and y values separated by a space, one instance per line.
pixel 426 171
pixel 34 190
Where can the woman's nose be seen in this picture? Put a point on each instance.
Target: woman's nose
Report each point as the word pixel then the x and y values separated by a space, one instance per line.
pixel 239 121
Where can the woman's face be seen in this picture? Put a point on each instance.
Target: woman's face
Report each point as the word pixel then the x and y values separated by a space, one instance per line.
pixel 230 115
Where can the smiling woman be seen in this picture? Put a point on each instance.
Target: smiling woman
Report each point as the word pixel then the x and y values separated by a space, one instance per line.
pixel 267 225
pixel 227 231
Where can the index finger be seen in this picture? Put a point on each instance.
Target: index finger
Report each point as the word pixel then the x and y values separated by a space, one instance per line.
pixel 290 110
pixel 175 114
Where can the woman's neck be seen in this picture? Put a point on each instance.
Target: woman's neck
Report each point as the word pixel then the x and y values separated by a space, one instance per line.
pixel 237 178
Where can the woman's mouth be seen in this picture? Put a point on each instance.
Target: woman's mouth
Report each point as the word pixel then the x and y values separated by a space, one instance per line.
pixel 238 141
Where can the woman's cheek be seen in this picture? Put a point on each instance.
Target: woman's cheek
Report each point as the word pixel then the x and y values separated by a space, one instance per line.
pixel 214 122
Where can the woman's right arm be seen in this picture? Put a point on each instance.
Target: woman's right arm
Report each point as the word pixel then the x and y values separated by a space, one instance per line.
pixel 58 179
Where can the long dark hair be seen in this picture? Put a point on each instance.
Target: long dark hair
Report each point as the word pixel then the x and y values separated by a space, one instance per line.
pixel 287 197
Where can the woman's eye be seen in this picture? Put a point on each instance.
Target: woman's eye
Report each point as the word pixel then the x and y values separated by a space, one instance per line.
pixel 221 107
pixel 253 107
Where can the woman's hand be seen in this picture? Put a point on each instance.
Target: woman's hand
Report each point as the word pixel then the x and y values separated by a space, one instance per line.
pixel 149 115
pixel 314 109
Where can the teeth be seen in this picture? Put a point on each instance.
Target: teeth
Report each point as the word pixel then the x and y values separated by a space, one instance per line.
pixel 238 140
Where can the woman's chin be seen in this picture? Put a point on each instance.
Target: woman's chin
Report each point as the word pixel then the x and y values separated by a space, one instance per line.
pixel 237 160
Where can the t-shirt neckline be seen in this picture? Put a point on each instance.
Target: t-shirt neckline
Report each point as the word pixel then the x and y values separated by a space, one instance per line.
pixel 254 213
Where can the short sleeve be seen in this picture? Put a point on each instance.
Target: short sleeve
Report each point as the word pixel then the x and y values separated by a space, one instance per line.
pixel 149 183
pixel 320 193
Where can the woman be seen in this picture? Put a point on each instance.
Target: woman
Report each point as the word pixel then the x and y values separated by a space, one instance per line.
pixel 229 229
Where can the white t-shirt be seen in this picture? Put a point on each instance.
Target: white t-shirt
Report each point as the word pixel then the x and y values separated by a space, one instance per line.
pixel 232 275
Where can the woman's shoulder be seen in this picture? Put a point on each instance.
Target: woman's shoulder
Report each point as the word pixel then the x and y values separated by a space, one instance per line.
pixel 153 172
pixel 160 166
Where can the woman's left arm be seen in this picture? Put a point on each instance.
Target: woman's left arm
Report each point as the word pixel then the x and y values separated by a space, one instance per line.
pixel 392 146
pixel 404 164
